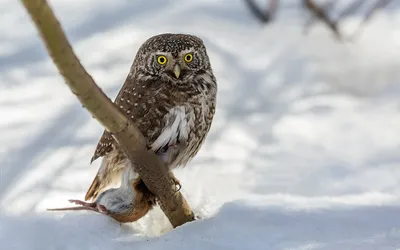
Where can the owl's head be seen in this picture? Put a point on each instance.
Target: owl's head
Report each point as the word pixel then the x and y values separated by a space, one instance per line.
pixel 173 57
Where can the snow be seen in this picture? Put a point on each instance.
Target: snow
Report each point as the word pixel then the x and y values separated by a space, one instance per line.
pixel 302 154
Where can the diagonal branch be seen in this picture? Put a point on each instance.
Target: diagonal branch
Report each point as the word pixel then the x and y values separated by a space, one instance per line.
pixel 150 168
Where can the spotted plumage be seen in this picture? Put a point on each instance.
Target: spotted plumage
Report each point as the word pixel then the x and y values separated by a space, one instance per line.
pixel 170 95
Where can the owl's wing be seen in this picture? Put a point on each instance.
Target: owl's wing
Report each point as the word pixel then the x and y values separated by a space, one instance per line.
pixel 157 112
pixel 104 146
pixel 174 131
pixel 131 94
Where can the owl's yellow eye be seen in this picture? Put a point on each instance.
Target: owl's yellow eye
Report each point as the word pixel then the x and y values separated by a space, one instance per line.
pixel 188 57
pixel 162 60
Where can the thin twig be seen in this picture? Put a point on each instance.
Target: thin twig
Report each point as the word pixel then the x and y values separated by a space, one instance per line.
pixel 263 16
pixel 322 15
pixel 312 20
pixel 379 4
pixel 351 8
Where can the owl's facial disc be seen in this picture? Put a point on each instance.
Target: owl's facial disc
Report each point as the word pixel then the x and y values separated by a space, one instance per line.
pixel 176 69
pixel 176 65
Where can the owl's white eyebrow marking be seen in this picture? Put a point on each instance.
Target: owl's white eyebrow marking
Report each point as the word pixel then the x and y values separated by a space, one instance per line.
pixel 162 53
pixel 185 51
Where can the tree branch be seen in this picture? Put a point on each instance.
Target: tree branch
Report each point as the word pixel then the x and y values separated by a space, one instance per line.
pixel 312 20
pixel 321 14
pixel 153 172
pixel 266 15
pixel 379 4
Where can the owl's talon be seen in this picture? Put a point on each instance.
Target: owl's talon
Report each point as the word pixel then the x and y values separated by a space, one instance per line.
pixel 178 187
pixel 176 182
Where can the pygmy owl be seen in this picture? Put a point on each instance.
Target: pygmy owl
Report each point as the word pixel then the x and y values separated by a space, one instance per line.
pixel 170 95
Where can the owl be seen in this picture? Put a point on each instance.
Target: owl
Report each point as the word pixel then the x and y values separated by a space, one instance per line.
pixel 170 95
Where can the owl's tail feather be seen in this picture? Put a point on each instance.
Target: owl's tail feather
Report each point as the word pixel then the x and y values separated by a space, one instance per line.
pixel 94 189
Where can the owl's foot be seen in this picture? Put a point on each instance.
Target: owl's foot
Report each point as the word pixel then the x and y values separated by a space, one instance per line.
pixel 176 182
pixel 178 185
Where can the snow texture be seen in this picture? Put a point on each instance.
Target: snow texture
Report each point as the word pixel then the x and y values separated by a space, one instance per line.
pixel 303 152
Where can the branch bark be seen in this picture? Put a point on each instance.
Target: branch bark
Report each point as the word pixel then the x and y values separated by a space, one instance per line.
pixel 153 172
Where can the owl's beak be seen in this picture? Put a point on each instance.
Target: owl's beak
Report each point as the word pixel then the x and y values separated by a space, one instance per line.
pixel 177 70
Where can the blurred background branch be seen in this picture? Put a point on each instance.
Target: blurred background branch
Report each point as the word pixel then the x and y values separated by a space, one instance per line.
pixel 321 12
pixel 264 15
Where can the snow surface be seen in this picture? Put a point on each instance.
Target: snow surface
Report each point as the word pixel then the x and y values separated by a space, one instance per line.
pixel 303 152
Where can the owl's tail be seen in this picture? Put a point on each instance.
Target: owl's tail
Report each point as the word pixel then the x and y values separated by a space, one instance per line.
pixel 94 189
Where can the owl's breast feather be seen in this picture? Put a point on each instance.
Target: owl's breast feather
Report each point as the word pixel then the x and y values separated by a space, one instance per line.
pixel 179 122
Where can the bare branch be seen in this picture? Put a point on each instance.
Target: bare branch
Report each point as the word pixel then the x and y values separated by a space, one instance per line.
pixel 351 8
pixel 272 8
pixel 266 15
pixel 379 4
pixel 320 13
pixel 150 168
pixel 326 6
